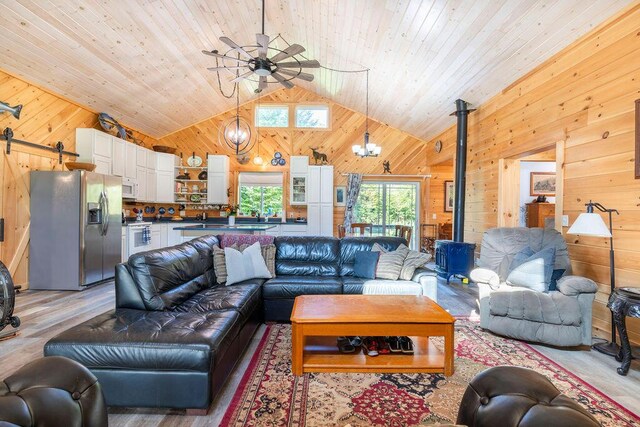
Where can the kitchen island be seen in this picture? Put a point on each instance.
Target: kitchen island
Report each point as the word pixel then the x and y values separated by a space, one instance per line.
pixel 200 229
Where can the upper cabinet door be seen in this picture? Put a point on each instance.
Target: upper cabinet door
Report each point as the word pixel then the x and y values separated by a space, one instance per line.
pixel 130 161
pixel 117 161
pixel 326 184
pixel 217 164
pixel 165 162
pixel 151 160
pixel 299 165
pixel 141 156
pixel 103 143
pixel 313 184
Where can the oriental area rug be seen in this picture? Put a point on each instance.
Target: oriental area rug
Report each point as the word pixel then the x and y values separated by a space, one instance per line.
pixel 269 394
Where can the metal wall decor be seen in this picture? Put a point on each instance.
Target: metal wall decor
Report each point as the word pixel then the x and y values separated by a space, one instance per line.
pixel 318 156
pixel 7 135
pixel 386 165
pixel 278 160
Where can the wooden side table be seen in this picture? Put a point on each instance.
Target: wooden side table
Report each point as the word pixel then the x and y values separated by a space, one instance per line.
pixel 624 302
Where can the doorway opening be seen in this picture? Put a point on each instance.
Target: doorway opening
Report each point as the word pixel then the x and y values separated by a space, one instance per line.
pixel 528 190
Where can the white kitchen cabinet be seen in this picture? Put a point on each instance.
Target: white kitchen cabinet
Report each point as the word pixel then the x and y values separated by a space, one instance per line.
pixel 298 173
pixel 320 201
pixel 166 162
pixel 217 179
pixel 103 165
pixel 293 230
pixel 95 147
pixel 151 159
pixel 141 172
pixel 141 156
pixel 165 184
pixel 156 239
pixel 130 171
pixel 164 235
pixel 151 184
pixel 174 237
pixel 274 231
pixel 117 157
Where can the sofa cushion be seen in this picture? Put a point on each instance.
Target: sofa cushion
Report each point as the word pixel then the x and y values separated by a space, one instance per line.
pixel 307 256
pixel 353 285
pixel 167 277
pixel 220 266
pixel 519 303
pixel 135 339
pixel 390 262
pixel 532 270
pixel 350 245
pixel 391 287
pixel 286 287
pixel 244 297
pixel 365 264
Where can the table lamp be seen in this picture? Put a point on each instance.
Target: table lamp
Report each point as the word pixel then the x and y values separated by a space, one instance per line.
pixel 591 224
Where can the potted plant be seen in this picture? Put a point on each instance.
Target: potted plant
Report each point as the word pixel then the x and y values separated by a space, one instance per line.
pixel 232 211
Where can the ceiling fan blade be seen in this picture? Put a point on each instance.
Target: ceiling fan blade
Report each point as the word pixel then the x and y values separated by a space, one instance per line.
pixel 235 67
pixel 235 46
pixel 217 55
pixel 294 49
pixel 242 76
pixel 263 83
pixel 263 42
pixel 304 76
pixel 312 63
pixel 284 82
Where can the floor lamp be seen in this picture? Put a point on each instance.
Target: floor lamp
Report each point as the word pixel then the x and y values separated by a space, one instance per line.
pixel 591 224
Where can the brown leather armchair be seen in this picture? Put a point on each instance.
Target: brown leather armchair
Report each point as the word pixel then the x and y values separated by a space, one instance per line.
pixel 509 396
pixel 52 391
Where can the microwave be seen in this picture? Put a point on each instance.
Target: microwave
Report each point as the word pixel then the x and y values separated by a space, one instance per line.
pixel 129 189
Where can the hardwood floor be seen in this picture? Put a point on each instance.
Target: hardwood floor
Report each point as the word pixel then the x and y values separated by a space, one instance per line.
pixel 47 313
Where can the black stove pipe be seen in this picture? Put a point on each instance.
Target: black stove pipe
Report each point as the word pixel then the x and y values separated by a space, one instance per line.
pixel 461 113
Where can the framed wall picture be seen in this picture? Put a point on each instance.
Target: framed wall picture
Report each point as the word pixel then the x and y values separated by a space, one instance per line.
pixel 542 184
pixel 340 197
pixel 448 196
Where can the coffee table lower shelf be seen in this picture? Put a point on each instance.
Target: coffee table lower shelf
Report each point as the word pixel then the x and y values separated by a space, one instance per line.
pixel 321 355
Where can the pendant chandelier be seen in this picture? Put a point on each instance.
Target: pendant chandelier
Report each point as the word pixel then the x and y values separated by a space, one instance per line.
pixel 367 149
pixel 235 132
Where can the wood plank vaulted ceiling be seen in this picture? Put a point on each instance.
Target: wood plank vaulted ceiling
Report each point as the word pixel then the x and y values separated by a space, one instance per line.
pixel 140 61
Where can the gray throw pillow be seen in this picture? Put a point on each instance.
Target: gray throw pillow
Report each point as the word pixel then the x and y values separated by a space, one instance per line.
pixel 219 260
pixel 245 265
pixel 413 260
pixel 390 263
pixel 533 272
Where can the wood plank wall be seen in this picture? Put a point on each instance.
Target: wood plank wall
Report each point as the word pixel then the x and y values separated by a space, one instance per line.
pixel 405 152
pixel 46 119
pixel 585 96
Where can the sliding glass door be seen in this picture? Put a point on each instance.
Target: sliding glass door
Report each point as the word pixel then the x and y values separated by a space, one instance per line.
pixel 387 204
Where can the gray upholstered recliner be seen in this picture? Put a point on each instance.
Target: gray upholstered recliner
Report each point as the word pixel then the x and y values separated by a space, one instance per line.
pixel 561 318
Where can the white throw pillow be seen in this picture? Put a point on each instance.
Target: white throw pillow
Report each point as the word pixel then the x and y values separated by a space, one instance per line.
pixel 245 265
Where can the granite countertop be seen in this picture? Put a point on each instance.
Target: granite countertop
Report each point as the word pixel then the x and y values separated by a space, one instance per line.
pixel 217 221
pixel 223 227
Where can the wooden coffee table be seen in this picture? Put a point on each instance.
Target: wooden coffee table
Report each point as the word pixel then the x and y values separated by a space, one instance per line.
pixel 317 320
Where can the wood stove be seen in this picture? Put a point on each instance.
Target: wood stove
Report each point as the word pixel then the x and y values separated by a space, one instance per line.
pixel 455 257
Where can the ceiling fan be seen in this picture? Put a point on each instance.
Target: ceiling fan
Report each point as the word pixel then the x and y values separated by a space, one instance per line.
pixel 283 66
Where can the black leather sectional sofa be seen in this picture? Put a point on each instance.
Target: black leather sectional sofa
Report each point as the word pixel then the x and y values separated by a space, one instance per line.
pixel 176 335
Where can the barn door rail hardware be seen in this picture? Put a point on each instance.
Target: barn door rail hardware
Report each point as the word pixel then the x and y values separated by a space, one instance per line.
pixel 7 135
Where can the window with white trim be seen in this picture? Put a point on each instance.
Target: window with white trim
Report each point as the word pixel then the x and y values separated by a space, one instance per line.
pixel 314 116
pixel 272 116
pixel 260 193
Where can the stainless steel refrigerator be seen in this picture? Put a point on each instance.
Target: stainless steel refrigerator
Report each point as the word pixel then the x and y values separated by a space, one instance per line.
pixel 76 229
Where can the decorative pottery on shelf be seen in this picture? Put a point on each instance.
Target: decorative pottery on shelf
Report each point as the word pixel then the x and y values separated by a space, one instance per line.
pixel 72 166
pixel 232 219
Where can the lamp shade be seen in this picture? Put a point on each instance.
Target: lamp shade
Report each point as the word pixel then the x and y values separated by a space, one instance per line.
pixel 589 224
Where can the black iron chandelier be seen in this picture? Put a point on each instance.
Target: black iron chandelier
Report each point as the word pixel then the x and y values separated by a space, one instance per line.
pixel 235 132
